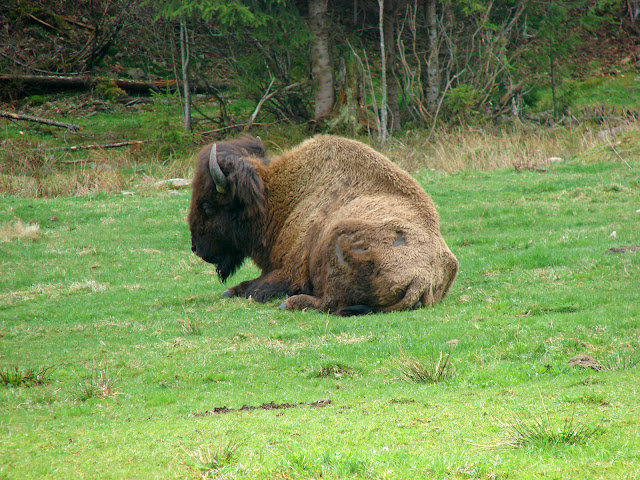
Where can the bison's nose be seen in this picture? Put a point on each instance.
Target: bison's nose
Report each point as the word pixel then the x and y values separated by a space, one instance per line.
pixel 193 246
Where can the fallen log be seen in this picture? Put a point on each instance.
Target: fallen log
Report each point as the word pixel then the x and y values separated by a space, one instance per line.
pixel 30 118
pixel 77 82
pixel 83 81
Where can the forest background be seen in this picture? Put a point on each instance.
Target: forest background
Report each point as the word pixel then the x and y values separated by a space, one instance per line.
pixel 362 66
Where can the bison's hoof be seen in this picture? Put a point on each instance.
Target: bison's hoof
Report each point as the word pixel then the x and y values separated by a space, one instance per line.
pixel 284 306
pixel 227 294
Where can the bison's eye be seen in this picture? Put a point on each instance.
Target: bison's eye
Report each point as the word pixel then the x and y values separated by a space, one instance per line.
pixel 208 209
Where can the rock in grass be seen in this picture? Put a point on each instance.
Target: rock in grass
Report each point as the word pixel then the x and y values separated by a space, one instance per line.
pixel 173 183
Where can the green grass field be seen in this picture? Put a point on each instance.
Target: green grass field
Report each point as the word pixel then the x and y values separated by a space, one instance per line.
pixel 118 350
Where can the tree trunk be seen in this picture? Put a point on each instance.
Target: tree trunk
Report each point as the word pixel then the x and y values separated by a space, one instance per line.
pixel 350 112
pixel 633 9
pixel 184 56
pixel 554 95
pixel 382 134
pixel 433 80
pixel 321 59
pixel 390 7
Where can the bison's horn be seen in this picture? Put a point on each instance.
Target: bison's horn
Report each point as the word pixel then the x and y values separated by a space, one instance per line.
pixel 216 173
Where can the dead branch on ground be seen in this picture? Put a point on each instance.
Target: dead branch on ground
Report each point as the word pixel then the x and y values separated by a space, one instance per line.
pixel 98 146
pixel 30 118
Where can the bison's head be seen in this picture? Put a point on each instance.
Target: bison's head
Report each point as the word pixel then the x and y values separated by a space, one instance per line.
pixel 227 203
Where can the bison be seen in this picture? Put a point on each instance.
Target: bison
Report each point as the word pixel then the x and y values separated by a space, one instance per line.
pixel 333 225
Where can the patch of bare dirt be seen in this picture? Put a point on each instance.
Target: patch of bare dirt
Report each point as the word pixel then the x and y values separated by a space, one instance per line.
pixel 628 248
pixel 586 361
pixel 265 406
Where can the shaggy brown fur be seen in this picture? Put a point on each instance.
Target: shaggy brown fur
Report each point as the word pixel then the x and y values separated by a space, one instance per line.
pixel 332 223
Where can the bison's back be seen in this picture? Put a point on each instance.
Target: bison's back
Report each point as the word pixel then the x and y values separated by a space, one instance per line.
pixel 325 173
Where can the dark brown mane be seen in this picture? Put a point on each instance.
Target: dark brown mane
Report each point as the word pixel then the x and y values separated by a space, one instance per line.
pixel 245 146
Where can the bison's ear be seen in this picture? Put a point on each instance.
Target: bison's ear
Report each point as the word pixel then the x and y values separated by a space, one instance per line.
pixel 253 147
pixel 246 186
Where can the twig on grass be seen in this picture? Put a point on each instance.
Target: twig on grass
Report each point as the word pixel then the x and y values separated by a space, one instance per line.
pixel 617 154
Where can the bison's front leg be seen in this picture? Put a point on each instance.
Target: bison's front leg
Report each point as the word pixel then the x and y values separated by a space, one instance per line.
pixel 261 289
pixel 302 302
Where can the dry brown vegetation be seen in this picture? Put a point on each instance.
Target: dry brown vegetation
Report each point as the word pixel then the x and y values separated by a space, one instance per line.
pixel 19 230
pixel 31 172
pixel 28 172
pixel 487 149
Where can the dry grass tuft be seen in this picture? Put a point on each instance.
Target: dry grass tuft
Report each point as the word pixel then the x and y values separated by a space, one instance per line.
pixel 424 372
pixel 528 431
pixel 331 370
pixel 189 326
pixel 28 172
pixel 623 361
pixel 100 384
pixel 78 181
pixel 206 461
pixel 20 231
pixel 91 285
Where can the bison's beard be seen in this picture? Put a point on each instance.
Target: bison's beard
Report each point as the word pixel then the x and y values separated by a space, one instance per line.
pixel 226 266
